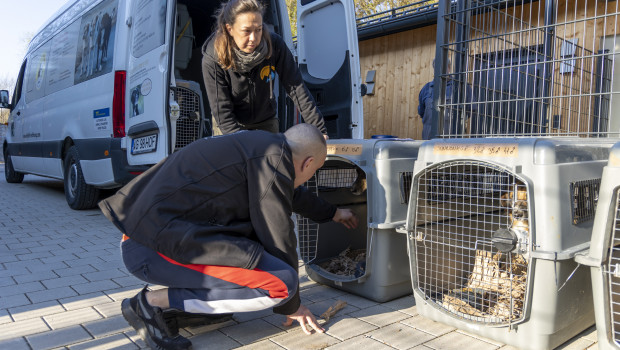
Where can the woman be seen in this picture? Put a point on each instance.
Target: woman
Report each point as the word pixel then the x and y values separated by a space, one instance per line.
pixel 239 64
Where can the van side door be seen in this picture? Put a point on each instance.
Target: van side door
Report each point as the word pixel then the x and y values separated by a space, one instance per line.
pixel 148 80
pixel 14 134
pixel 328 57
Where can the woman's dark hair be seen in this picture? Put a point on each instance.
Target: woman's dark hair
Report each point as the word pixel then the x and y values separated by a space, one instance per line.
pixel 227 14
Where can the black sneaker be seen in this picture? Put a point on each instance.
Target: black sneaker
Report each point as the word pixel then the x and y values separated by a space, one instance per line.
pixel 176 319
pixel 149 323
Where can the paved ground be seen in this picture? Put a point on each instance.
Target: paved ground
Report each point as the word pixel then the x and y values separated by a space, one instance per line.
pixel 62 282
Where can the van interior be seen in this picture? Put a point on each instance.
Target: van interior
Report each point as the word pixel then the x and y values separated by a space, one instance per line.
pixel 195 22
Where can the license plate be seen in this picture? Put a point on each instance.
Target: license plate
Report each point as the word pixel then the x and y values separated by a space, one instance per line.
pixel 144 144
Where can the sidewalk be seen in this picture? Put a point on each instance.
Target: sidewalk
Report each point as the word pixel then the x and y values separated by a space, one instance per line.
pixel 62 281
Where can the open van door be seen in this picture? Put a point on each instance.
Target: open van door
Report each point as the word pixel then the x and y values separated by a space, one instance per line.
pixel 328 57
pixel 148 81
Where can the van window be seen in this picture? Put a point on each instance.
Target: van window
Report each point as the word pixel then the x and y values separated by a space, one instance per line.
pixel 37 71
pixel 149 26
pixel 17 93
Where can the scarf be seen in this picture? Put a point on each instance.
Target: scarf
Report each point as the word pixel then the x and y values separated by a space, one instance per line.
pixel 244 62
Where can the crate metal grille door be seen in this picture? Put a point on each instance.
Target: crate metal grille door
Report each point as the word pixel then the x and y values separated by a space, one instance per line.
pixel 472 238
pixel 325 179
pixel 188 124
pixel 509 67
pixel 613 273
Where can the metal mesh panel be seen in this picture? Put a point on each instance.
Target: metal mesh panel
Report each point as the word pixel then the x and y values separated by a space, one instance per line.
pixel 585 196
pixel 188 124
pixel 332 178
pixel 613 269
pixel 527 67
pixel 465 212
pixel 308 230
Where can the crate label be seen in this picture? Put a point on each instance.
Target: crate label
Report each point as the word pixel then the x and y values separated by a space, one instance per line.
pixel 478 149
pixel 346 149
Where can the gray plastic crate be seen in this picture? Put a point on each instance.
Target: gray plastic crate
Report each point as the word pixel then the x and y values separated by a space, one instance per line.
pixel 604 256
pixel 370 261
pixel 493 227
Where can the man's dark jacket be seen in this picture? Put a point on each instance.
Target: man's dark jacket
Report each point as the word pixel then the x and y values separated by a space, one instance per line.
pixel 220 201
pixel 248 98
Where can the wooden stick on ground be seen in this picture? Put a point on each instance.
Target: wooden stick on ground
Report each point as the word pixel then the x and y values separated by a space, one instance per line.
pixel 332 310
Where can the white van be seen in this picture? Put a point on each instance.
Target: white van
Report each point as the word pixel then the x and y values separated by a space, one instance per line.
pixel 110 87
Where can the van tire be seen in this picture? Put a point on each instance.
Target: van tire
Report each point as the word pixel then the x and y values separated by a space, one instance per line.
pixel 79 194
pixel 11 176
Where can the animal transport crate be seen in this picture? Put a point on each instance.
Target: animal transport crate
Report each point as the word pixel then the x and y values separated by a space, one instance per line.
pixel 604 255
pixel 373 178
pixel 493 227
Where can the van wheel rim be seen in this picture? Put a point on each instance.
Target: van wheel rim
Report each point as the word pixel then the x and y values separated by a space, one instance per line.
pixel 73 179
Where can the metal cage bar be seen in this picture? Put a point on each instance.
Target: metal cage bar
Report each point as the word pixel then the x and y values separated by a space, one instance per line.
pixel 511 68
pixel 188 124
pixel 613 275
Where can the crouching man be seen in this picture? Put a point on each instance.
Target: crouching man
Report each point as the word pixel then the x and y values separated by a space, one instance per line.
pixel 212 222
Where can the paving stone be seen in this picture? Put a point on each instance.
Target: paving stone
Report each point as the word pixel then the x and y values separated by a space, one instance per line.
pixel 213 340
pixel 18 343
pixel 36 310
pixel 23 328
pixel 576 344
pixel 56 338
pixel 94 286
pixel 116 342
pixel 360 342
pixel 6 258
pixel 33 256
pixel 64 281
pixel 379 315
pixel 5 317
pixel 21 288
pixel 427 325
pixel 251 331
pixel 320 293
pixel 57 259
pixel 71 271
pixel 128 281
pixel 404 304
pixel 118 294
pixel 83 261
pixel 109 309
pixel 13 300
pixel 400 336
pixel 298 340
pixel 208 328
pixel 458 341
pixel 107 326
pixel 47 266
pixel 345 328
pixel 35 277
pixel 45 248
pixel 357 301
pixel 320 307
pixel 51 294
pixel 262 345
pixel 8 271
pixel 26 245
pixel 71 318
pixel 84 301
pixel 104 275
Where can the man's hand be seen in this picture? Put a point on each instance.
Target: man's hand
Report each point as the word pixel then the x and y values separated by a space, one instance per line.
pixel 346 217
pixel 303 315
pixel 325 137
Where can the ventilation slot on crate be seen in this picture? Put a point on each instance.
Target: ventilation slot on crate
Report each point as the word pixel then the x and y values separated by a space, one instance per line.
pixel 471 241
pixel 405 186
pixel 584 198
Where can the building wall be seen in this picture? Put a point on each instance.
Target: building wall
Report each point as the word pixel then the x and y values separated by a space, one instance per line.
pixel 403 64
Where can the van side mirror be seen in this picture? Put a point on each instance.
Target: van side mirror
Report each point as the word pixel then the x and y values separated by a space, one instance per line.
pixel 4 99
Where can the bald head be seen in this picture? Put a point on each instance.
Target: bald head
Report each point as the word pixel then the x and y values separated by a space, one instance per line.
pixel 309 151
pixel 305 141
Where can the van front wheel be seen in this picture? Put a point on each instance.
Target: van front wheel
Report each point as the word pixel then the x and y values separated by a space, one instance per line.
pixel 79 194
pixel 11 176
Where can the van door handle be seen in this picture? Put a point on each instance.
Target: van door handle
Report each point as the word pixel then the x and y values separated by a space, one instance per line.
pixel 19 112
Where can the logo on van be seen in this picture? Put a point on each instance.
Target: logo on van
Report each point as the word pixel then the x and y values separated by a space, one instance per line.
pixel 267 73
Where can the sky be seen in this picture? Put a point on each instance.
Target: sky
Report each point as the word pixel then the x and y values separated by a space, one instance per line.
pixel 20 19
